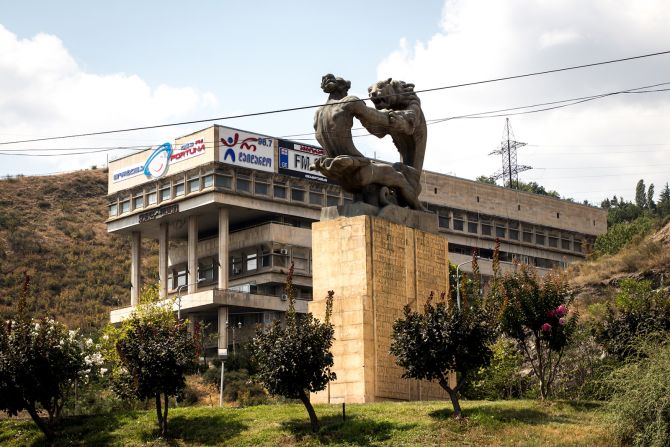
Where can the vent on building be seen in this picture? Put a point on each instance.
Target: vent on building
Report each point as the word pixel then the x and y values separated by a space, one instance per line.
pixel 284 297
pixel 283 251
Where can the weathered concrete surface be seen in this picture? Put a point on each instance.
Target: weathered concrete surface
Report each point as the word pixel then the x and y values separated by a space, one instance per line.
pixel 419 220
pixel 375 267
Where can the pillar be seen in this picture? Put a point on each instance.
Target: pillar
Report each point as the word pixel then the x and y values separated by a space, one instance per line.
pixel 135 259
pixel 223 332
pixel 223 248
pixel 192 276
pixel 163 259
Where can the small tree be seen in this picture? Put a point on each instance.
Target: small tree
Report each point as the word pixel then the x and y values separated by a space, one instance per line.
pixel 444 339
pixel 155 350
pixel 295 360
pixel 40 361
pixel 534 313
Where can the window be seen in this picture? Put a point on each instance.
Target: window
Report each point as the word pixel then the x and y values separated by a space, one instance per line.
pixel 578 245
pixel 179 189
pixel 165 194
pixel 236 265
pixel 243 183
pixel 113 209
pixel 332 200
pixel 443 221
pixel 500 230
pixel 207 181
pixel 539 238
pixel 553 242
pixel 194 185
pixel 252 261
pixel 266 256
pixel 224 181
pixel 179 277
pixel 151 198
pixel 301 259
pixel 486 229
pixel 261 187
pixel 473 227
pixel 348 198
pixel 565 244
pixel 279 191
pixel 138 202
pixel 316 197
pixel 297 194
pixel 207 270
pixel 458 223
pixel 527 235
pixel 125 206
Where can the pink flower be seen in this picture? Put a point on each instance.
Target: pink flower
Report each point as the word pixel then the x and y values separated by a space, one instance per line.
pixel 546 327
pixel 561 310
pixel 550 314
pixel 561 321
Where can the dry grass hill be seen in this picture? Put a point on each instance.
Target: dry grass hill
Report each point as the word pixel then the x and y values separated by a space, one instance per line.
pixel 53 228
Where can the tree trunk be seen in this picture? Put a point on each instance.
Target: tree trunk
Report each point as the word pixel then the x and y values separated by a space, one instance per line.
pixel 453 395
pixel 165 416
pixel 310 410
pixel 159 413
pixel 44 427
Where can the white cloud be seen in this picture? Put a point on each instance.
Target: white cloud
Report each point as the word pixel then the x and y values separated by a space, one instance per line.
pixel 578 148
pixel 44 92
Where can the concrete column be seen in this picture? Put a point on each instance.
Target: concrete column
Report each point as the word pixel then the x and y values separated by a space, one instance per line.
pixel 163 260
pixel 223 331
pixel 135 250
pixel 192 276
pixel 223 248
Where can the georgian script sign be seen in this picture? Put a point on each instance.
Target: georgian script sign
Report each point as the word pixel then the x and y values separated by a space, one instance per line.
pixel 159 212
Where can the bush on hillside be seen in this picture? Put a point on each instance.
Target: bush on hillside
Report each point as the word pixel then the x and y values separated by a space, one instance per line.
pixel 622 234
pixel 640 406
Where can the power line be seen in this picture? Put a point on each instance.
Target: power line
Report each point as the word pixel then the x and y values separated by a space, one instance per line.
pixel 293 109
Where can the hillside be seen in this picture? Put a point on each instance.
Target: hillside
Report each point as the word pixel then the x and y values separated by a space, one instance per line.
pixel 53 228
pixel 644 259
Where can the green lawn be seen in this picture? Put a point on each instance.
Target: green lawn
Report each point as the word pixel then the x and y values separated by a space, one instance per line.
pixel 501 423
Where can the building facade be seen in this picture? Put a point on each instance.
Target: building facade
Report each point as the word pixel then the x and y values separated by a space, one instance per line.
pixel 231 210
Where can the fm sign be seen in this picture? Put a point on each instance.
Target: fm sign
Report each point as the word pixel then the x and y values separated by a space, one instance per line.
pixel 295 159
pixel 160 160
pixel 246 150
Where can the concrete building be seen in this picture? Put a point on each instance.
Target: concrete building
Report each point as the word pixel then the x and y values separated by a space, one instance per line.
pixel 232 209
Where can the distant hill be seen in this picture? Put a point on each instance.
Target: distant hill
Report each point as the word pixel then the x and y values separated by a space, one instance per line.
pixel 53 228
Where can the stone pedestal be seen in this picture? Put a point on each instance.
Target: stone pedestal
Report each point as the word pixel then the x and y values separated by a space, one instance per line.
pixel 375 267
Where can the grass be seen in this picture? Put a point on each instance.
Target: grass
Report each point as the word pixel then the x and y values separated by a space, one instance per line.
pixel 500 423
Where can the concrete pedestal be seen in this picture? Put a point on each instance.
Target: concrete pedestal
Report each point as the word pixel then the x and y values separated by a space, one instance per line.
pixel 375 267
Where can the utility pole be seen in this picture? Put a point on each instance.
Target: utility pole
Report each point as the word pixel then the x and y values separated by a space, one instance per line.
pixel 510 169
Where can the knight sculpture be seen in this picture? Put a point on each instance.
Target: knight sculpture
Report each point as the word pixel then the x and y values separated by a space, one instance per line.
pixel 397 113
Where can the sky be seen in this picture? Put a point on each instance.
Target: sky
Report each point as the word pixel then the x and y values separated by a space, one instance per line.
pixel 80 66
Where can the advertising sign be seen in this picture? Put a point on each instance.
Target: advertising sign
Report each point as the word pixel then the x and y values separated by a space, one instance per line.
pixel 128 172
pixel 247 150
pixel 188 150
pixel 295 159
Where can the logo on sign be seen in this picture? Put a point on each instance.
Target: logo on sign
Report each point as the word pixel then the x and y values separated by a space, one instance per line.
pixel 252 151
pixel 188 150
pixel 157 163
pixel 229 153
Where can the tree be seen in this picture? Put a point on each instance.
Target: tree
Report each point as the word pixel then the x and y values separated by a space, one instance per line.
pixel 534 313
pixel 444 339
pixel 40 361
pixel 664 201
pixel 650 198
pixel 640 195
pixel 295 360
pixel 486 179
pixel 155 350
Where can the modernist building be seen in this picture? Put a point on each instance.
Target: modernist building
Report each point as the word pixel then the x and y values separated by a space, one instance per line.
pixel 232 209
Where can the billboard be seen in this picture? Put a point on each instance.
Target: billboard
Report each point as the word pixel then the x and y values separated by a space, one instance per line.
pixel 246 150
pixel 295 159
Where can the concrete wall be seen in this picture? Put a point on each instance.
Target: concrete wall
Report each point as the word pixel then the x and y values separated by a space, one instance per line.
pixel 375 268
pixel 493 200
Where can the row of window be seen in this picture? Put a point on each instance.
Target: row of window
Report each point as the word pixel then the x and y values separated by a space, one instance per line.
pixel 511 230
pixel 504 256
pixel 257 184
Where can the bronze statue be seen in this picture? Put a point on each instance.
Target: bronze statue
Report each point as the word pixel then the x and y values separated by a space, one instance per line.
pixel 397 113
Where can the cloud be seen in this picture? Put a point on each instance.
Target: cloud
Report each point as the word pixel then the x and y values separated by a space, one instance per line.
pixel 44 92
pixel 587 151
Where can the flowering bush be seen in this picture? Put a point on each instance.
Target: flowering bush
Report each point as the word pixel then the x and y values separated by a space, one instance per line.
pixel 40 361
pixel 534 312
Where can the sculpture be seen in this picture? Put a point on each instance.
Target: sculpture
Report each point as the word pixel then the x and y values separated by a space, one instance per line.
pixel 397 113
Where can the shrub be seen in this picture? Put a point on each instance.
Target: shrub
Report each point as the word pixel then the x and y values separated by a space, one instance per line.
pixel 621 234
pixel 534 313
pixel 640 406
pixel 295 360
